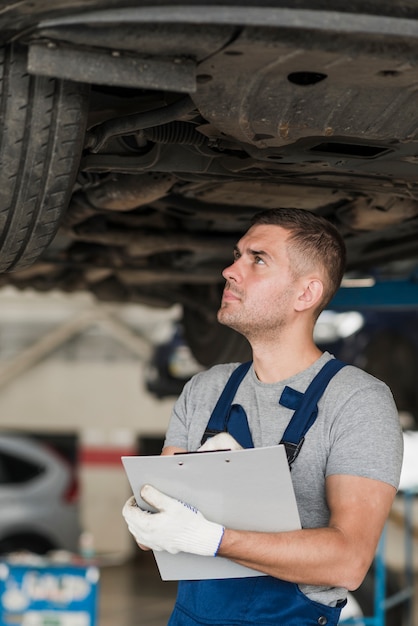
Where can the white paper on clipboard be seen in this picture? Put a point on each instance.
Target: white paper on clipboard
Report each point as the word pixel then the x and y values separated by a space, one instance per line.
pixel 245 489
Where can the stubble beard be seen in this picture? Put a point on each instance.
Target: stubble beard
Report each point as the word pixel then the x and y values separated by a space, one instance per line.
pixel 252 327
pixel 233 319
pixel 254 324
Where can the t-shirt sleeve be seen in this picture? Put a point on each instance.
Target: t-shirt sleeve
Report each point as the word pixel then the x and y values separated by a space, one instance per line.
pixel 177 430
pixel 366 438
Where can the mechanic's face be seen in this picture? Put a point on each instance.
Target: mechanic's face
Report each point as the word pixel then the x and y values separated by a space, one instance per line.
pixel 260 286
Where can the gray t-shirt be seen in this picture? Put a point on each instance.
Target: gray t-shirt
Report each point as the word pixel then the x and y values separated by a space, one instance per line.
pixel 357 432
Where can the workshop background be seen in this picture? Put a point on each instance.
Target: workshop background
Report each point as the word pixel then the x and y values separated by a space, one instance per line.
pixel 73 370
pixel 92 380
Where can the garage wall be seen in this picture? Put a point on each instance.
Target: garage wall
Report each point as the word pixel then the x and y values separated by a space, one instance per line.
pixel 105 406
pixel 99 397
pixel 103 401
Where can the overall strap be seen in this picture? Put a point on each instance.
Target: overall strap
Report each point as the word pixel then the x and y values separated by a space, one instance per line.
pixel 231 418
pixel 306 408
pixel 218 422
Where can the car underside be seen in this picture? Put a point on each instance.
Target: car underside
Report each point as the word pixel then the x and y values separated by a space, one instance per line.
pixel 138 139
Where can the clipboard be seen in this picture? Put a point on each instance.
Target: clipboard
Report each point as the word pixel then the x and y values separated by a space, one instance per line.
pixel 247 489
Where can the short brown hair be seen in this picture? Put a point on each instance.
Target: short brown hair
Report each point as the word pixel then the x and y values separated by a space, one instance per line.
pixel 314 242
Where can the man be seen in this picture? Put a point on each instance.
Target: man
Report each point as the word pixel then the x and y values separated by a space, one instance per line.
pixel 285 271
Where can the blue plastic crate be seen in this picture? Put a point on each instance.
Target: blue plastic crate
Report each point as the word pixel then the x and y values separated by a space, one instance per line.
pixel 48 594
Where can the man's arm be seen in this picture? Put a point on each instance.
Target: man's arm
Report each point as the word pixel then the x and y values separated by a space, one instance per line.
pixel 338 555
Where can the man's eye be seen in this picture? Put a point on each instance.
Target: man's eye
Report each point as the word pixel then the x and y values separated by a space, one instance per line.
pixel 258 260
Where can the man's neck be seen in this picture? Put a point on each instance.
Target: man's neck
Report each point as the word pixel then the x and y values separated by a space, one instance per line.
pixel 278 362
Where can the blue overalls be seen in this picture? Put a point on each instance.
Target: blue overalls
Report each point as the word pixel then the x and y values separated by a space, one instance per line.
pixel 259 600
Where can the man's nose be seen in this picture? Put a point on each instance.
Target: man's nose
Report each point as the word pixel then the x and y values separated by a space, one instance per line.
pixel 230 272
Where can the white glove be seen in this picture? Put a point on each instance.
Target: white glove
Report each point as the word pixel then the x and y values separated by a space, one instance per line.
pixel 221 441
pixel 176 527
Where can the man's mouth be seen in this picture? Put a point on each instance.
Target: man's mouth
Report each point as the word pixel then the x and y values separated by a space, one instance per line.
pixel 229 296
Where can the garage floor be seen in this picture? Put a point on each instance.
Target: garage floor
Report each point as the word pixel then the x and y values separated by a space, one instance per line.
pixel 132 594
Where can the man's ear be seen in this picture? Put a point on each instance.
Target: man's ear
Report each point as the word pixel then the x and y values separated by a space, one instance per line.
pixel 310 294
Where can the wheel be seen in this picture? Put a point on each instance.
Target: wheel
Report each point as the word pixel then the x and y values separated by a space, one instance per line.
pixel 209 341
pixel 42 128
pixel 25 543
pixel 392 357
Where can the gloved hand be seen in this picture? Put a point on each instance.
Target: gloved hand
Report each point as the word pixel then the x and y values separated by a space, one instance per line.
pixel 176 527
pixel 221 441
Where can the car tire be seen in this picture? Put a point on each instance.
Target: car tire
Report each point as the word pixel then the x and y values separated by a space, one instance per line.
pixel 42 129
pixel 398 370
pixel 26 542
